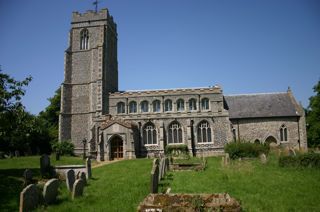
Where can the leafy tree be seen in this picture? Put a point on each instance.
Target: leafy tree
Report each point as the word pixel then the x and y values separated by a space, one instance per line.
pixel 313 118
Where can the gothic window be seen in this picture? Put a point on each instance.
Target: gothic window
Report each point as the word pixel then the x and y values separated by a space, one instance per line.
pixel 168 105
pixel 192 104
pixel 132 107
pixel 283 133
pixel 156 106
pixel 180 105
pixel 149 134
pixel 175 133
pixel 121 107
pixel 144 107
pixel 205 104
pixel 204 132
pixel 84 39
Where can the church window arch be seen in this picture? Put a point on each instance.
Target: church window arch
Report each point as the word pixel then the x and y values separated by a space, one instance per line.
pixel 149 134
pixel 144 106
pixel 192 104
pixel 283 133
pixel 156 106
pixel 204 132
pixel 174 133
pixel 205 104
pixel 84 39
pixel 121 107
pixel 132 107
pixel 180 105
pixel 168 105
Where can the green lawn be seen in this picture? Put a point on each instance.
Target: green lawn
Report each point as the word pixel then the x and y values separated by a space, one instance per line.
pixel 122 185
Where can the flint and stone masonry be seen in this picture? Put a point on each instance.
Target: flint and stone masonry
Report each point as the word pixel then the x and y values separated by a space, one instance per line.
pixel 129 124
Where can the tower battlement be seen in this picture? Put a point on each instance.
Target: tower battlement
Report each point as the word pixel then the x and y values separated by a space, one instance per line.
pixel 91 15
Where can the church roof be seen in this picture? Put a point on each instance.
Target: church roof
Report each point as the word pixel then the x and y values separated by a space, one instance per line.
pixel 261 105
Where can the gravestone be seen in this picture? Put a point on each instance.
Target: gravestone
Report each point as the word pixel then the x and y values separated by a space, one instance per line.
pixel 70 178
pixel 227 159
pixel 167 164
pixel 88 168
pixel 163 168
pixel 154 179
pixel 222 161
pixel 44 164
pixel 155 161
pixel 17 153
pixel 263 158
pixel 160 169
pixel 50 191
pixel 292 152
pixel 77 188
pixel 29 198
pixel 83 177
pixel 27 177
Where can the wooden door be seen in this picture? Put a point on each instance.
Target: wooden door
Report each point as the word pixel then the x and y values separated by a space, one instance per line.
pixel 116 148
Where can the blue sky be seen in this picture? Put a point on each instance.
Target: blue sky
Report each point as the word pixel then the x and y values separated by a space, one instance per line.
pixel 245 46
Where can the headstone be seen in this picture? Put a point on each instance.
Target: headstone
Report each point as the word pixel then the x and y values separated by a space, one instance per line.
pixel 263 158
pixel 292 152
pixel 27 176
pixel 83 177
pixel 50 191
pixel 167 164
pixel 155 161
pixel 227 159
pixel 154 179
pixel 222 161
pixel 163 172
pixel 160 169
pixel 77 188
pixel 70 178
pixel 29 198
pixel 88 168
pixel 44 164
pixel 17 153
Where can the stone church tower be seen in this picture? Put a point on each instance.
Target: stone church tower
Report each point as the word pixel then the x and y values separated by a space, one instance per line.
pixel 91 72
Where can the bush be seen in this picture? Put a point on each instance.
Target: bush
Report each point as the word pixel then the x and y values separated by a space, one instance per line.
pixel 245 149
pixel 63 148
pixel 177 150
pixel 300 161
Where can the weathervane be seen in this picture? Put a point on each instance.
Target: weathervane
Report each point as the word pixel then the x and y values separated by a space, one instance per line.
pixel 96 4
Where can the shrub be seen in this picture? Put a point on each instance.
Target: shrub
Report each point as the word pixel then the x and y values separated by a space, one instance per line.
pixel 245 149
pixel 63 148
pixel 300 161
pixel 177 150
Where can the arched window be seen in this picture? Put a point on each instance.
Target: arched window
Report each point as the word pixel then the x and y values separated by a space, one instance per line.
pixel 204 132
pixel 84 39
pixel 175 133
pixel 144 106
pixel 205 104
pixel 168 105
pixel 149 134
pixel 132 107
pixel 156 106
pixel 283 133
pixel 192 104
pixel 121 107
pixel 180 105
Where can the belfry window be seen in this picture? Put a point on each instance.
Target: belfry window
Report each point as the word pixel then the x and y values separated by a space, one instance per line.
pixel 168 105
pixel 132 107
pixel 192 104
pixel 84 39
pixel 175 133
pixel 283 133
pixel 149 134
pixel 121 107
pixel 180 105
pixel 205 104
pixel 144 107
pixel 156 106
pixel 204 132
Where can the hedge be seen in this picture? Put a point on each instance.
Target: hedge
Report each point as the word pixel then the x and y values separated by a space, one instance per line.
pixel 245 149
pixel 300 161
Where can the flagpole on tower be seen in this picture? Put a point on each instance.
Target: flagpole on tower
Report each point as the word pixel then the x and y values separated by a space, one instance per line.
pixel 96 5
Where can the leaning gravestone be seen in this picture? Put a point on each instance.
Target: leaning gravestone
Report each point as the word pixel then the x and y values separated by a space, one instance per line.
pixel 77 188
pixel 70 178
pixel 263 158
pixel 88 168
pixel 50 191
pixel 29 198
pixel 154 179
pixel 27 177
pixel 44 164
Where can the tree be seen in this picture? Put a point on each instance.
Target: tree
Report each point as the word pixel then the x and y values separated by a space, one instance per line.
pixel 313 118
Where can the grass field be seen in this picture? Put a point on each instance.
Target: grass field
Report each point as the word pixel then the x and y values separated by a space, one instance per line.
pixel 122 185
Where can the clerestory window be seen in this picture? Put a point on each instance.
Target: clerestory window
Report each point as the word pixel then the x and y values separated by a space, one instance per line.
pixel 132 107
pixel 168 105
pixel 180 105
pixel 192 104
pixel 156 106
pixel 205 104
pixel 144 106
pixel 121 107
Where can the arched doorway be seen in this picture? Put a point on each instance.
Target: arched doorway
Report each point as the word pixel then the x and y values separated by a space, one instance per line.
pixel 116 149
pixel 270 140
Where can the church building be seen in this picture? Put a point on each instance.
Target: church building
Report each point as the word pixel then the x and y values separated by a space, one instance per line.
pixel 128 124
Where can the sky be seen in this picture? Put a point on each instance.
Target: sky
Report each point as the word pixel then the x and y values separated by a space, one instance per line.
pixel 245 46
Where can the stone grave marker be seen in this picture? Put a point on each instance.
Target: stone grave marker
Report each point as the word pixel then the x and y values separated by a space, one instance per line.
pixel 292 152
pixel 160 169
pixel 77 188
pixel 44 164
pixel 222 161
pixel 167 164
pixel 50 191
pixel 88 168
pixel 263 158
pixel 154 179
pixel 227 159
pixel 29 198
pixel 82 176
pixel 163 172
pixel 70 178
pixel 27 177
